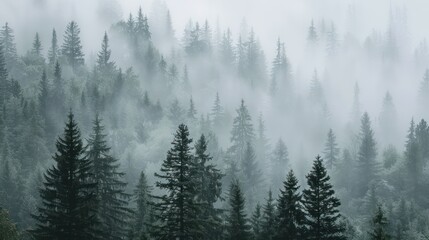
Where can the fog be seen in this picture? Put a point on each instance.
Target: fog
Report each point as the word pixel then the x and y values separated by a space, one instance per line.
pixel 368 57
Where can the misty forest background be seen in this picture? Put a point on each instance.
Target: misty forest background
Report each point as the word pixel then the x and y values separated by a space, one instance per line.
pixel 203 132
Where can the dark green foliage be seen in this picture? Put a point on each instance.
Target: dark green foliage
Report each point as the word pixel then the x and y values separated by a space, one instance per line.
pixel 367 167
pixel 8 230
pixel 256 223
pixel 4 82
pixel 72 48
pixel 331 150
pixel 379 226
pixel 178 209
pixel 252 176
pixel 269 217
pixel 44 98
pixel 143 216
pixel 237 227
pixel 66 211
pixel 112 201
pixel 321 206
pixel 290 215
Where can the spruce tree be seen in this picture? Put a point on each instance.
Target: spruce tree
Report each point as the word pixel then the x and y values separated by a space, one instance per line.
pixel 379 225
pixel 290 214
pixel 192 112
pixel 4 82
pixel 143 216
pixel 37 46
pixel 177 208
pixel 216 113
pixel 66 211
pixel 112 201
pixel 312 34
pixel 321 206
pixel 252 176
pixel 7 40
pixel 269 217
pixel 103 58
pixel 44 99
pixel 242 132
pixel 227 54
pixel 142 27
pixel 72 48
pixel 412 159
pixel 279 164
pixel 256 223
pixel 237 227
pixel 331 151
pixel 54 50
pixel 208 178
pixel 367 168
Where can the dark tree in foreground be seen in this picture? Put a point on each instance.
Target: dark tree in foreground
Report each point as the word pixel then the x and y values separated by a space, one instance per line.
pixel 237 227
pixel 290 214
pixel 112 201
pixel 143 215
pixel 379 225
pixel 67 195
pixel 269 217
pixel 178 209
pixel 321 206
pixel 256 223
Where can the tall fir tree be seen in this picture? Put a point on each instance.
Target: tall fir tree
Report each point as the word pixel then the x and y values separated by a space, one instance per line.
pixel 143 215
pixel 279 164
pixel 7 40
pixel 367 167
pixel 4 81
pixel 312 33
pixel 37 46
pixel 72 48
pixel 54 51
pixel 252 176
pixel 226 50
pixel 177 207
pixel 67 192
pixel 192 112
pixel 379 226
pixel 242 132
pixel 44 99
pixel 237 226
pixel 256 223
pixel 142 26
pixel 331 150
pixel 269 217
pixel 321 205
pixel 112 201
pixel 216 113
pixel 290 214
pixel 104 64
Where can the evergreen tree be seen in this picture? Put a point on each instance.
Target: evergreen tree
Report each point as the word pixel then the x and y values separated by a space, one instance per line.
pixel 192 112
pixel 226 49
pixel 269 217
pixel 331 150
pixel 217 112
pixel 54 50
pixel 177 209
pixel 142 27
pixel 44 99
pixel 280 73
pixel 237 227
pixel 208 178
pixel 367 168
pixel 37 46
pixel 103 58
pixel 242 132
pixel 8 229
pixel 72 48
pixel 176 113
pixel 256 223
pixel 143 216
pixel 379 226
pixel 412 158
pixel 252 176
pixel 67 193
pixel 332 41
pixel 424 89
pixel 321 206
pixel 279 164
pixel 7 40
pixel 388 119
pixel 4 82
pixel 290 214
pixel 312 34
pixel 112 210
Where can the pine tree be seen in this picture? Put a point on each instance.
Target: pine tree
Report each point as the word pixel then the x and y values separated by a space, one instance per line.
pixel 103 58
pixel 332 41
pixel 4 82
pixel 262 142
pixel 269 217
pixel 112 210
pixel 312 34
pixel 290 214
pixel 68 195
pixel 237 227
pixel 321 206
pixel 256 223
pixel 142 26
pixel 37 46
pixel 217 112
pixel 379 226
pixel 252 176
pixel 208 178
pixel 7 40
pixel 72 48
pixel 54 50
pixel 143 215
pixel 44 98
pixel 412 158
pixel 242 132
pixel 279 164
pixel 192 112
pixel 177 208
pixel 331 150
pixel 227 54
pixel 367 168
pixel 280 72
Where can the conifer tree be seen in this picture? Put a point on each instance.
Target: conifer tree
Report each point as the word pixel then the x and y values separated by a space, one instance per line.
pixel 279 164
pixel 143 216
pixel 290 214
pixel 256 223
pixel 412 158
pixel 379 226
pixel 178 209
pixel 237 227
pixel 54 50
pixel 321 206
pixel 331 150
pixel 208 178
pixel 252 176
pixel 176 113
pixel 7 40
pixel 142 26
pixel 72 48
pixel 67 193
pixel 8 230
pixel 312 34
pixel 242 132
pixel 217 112
pixel 37 46
pixel 366 166
pixel 226 49
pixel 112 201
pixel 44 98
pixel 4 82
pixel 103 58
pixel 192 112
pixel 269 217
